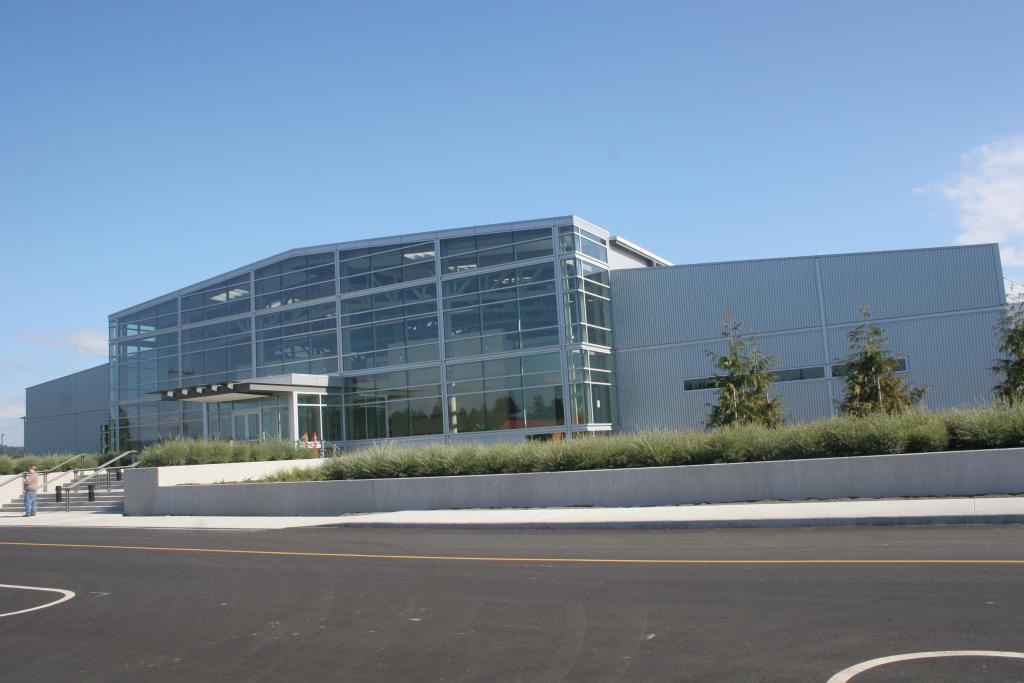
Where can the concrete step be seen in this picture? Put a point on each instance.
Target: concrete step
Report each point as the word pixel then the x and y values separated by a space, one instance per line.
pixel 60 506
pixel 104 500
pixel 50 502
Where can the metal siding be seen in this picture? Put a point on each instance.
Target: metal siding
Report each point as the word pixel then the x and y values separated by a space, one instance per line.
pixel 92 388
pixel 650 392
pixel 50 435
pixel 65 414
pixel 649 382
pixel 653 306
pixel 803 401
pixel 662 330
pixel 620 259
pixel 952 354
pixel 905 283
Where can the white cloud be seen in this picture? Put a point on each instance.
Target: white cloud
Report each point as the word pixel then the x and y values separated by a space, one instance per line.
pixel 988 194
pixel 87 342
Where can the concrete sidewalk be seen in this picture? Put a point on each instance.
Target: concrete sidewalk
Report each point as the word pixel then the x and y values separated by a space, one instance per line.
pixel 982 510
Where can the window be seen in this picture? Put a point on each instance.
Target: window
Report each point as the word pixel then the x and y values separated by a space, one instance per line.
pixel 319 416
pixel 843 369
pixel 371 267
pixel 504 310
pixel 461 254
pixel 216 353
pixel 591 373
pixel 295 279
pixel 393 404
pixel 390 328
pixel 225 298
pixel 301 339
pixel 576 239
pixel 787 375
pixel 151 319
pixel 505 393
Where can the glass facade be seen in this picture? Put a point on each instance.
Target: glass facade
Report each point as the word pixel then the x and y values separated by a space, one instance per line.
pixel 393 404
pixel 296 279
pixel 514 392
pixel 503 310
pixel 393 327
pixel 586 300
pixel 448 335
pixel 302 339
pixel 372 267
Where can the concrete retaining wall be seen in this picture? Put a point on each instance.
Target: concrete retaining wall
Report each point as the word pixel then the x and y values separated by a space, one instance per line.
pixel 964 473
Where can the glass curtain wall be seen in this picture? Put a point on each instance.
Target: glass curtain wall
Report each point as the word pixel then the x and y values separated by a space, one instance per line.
pixel 226 298
pixel 295 279
pixel 586 287
pixel 502 310
pixel 514 392
pixel 143 359
pixel 298 340
pixel 383 266
pixel 492 300
pixel 393 327
pixel 216 353
pixel 393 404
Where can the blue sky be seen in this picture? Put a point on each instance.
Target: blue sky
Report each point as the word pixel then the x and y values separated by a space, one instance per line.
pixel 148 145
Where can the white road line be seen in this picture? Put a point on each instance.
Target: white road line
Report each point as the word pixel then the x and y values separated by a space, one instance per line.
pixel 65 596
pixel 846 674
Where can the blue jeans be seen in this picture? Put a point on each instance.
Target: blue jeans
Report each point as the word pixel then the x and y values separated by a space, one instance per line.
pixel 30 502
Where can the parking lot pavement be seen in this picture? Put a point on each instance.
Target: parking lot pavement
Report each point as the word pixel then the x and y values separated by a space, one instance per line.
pixel 469 605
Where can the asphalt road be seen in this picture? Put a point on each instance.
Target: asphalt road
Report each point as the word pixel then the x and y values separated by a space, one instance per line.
pixel 373 604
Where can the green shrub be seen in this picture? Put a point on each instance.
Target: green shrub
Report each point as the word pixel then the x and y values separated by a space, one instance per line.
pixel 15 465
pixel 198 452
pixel 915 431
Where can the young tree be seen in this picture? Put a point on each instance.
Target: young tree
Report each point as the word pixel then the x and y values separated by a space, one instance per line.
pixel 744 381
pixel 872 385
pixel 1011 342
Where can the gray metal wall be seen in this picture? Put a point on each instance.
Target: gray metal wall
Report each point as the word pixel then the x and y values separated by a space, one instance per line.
pixel 938 306
pixel 65 415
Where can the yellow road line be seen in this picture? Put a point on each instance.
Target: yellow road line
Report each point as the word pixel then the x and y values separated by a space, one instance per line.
pixel 461 558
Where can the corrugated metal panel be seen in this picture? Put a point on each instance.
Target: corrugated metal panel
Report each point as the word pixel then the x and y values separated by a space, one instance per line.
pixel 650 381
pixel 684 303
pixel 79 391
pixel 905 283
pixel 803 401
pixel 952 354
pixel 65 414
pixel 791 349
pixel 650 389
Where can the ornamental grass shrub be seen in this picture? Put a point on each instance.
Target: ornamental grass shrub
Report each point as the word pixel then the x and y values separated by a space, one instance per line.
pixel 916 431
pixel 185 451
pixel 17 464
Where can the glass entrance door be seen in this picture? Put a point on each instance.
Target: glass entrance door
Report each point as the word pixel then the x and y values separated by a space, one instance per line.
pixel 246 423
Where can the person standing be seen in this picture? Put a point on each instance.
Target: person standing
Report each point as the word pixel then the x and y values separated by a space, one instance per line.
pixel 31 485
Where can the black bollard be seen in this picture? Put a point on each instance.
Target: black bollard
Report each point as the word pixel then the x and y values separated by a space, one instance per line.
pixel 60 493
pixel 92 492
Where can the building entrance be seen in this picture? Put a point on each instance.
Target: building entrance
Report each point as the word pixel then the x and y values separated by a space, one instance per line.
pixel 246 423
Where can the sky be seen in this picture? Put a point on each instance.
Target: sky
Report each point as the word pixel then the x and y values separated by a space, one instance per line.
pixel 145 146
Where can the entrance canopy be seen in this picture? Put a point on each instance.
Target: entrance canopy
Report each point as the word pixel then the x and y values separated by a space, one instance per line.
pixel 249 389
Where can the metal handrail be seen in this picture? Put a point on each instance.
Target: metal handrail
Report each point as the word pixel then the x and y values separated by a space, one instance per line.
pixel 95 470
pixel 45 473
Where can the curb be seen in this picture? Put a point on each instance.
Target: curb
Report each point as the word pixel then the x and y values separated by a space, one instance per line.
pixel 699 524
